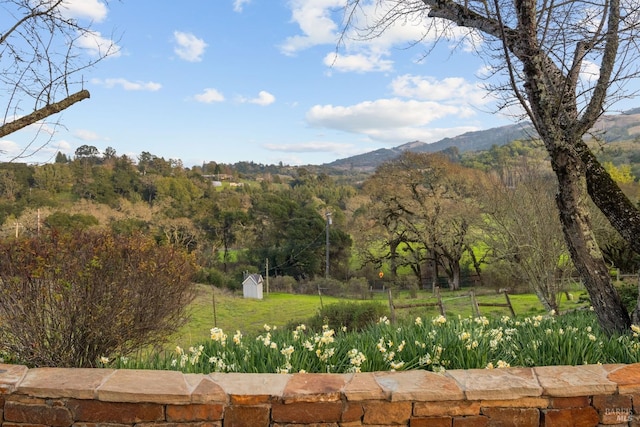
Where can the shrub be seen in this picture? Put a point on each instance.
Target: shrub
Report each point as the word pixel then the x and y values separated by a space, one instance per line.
pixel 129 226
pixel 215 277
pixel 65 221
pixel 352 315
pixel 628 294
pixel 331 287
pixel 70 299
pixel 359 287
pixel 282 284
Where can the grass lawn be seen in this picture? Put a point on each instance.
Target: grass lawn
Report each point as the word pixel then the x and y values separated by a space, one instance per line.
pixel 233 312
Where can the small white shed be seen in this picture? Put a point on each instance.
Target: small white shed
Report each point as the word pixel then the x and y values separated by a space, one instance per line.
pixel 252 286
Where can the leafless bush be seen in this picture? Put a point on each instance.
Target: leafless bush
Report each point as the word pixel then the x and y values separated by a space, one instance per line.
pixel 70 299
pixel 282 284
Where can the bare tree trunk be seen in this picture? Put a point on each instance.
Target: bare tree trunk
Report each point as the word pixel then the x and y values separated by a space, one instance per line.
pixel 455 282
pixel 393 257
pixel 586 255
pixel 635 316
pixel 542 297
pixel 552 105
pixel 623 215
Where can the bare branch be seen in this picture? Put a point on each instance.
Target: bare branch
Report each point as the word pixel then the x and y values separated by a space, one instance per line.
pixel 41 52
pixel 42 113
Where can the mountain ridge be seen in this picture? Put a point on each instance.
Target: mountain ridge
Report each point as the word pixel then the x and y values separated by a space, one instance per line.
pixel 610 128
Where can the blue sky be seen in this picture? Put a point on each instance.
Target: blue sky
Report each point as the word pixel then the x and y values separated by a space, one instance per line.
pixel 260 80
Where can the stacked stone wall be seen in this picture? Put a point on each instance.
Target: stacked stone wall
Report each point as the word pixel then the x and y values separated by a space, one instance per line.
pixel 592 395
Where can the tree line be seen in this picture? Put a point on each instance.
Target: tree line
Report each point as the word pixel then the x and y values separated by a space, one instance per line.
pixel 423 219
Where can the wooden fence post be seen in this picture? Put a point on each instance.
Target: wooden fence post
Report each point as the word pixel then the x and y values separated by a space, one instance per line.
pixel 506 295
pixel 474 304
pixel 392 311
pixel 440 303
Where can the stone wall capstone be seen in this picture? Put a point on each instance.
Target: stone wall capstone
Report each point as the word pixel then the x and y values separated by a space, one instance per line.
pixel 590 395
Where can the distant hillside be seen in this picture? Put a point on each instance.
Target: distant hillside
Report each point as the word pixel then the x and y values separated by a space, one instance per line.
pixel 611 128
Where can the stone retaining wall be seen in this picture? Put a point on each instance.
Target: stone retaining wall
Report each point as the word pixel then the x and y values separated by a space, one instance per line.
pixel 563 396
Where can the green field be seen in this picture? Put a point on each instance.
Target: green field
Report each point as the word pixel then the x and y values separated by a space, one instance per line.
pixel 233 312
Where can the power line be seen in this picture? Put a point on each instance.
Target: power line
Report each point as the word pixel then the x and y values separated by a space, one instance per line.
pixel 297 254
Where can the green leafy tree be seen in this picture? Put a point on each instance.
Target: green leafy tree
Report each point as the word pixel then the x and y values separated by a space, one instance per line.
pixel 53 177
pixel 83 179
pixel 130 226
pixel 66 222
pixel 178 192
pixel 151 164
pixel 291 234
pixel 126 179
pixel 101 187
pixel 424 204
pixel 61 157
pixel 88 154
pixel 222 226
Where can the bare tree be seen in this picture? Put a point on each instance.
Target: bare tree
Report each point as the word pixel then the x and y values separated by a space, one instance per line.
pixel 540 51
pixel 523 234
pixel 43 51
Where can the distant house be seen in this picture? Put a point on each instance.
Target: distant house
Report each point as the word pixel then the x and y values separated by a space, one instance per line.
pixel 252 286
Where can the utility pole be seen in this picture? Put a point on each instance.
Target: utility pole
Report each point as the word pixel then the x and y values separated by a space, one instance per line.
pixel 328 214
pixel 266 273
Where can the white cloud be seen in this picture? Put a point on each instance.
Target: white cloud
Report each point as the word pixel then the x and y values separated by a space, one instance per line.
pixel 49 152
pixel 62 145
pixel 451 90
pixel 209 96
pixel 264 98
pixel 307 147
pixel 315 147
pixel 9 148
pixel 486 71
pixel 288 160
pixel 390 120
pixel 315 21
pixel 128 85
pixel 94 10
pixel 189 47
pixel 98 45
pixel 321 23
pixel 589 72
pixel 425 134
pixel 408 30
pixel 382 113
pixel 31 151
pixel 238 5
pixel 86 135
pixel 358 63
